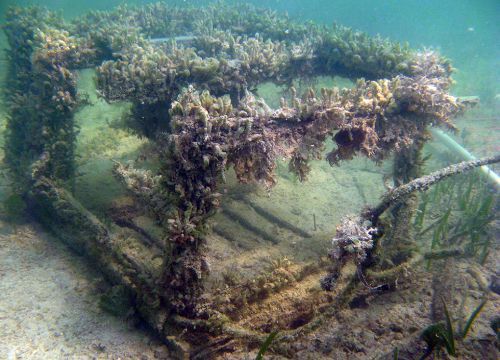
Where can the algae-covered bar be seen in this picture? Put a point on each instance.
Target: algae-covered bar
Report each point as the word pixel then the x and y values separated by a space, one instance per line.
pixel 190 75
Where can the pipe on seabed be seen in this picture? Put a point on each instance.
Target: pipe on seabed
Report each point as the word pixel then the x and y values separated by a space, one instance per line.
pixel 448 141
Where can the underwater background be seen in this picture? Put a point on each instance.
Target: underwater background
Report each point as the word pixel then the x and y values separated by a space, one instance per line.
pixel 33 267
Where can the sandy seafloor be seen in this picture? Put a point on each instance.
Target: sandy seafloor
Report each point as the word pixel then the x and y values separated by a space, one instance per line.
pixel 49 308
pixel 49 295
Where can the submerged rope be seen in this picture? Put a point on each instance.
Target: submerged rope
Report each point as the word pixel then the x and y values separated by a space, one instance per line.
pixel 423 183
